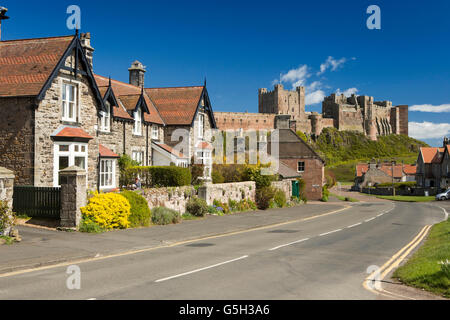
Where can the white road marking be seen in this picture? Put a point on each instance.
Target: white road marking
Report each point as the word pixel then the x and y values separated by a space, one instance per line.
pixel 289 244
pixel 380 215
pixel 355 225
pixel 370 219
pixel 325 234
pixel 199 270
pixel 92 299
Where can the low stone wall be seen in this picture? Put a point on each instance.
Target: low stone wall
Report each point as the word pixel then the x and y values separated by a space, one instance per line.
pixel 285 186
pixel 6 186
pixel 228 191
pixel 172 198
pixel 420 192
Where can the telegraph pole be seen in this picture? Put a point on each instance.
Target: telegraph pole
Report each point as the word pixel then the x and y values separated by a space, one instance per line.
pixel 393 181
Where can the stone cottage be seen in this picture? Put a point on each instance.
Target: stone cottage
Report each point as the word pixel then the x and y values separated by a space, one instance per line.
pixel 433 167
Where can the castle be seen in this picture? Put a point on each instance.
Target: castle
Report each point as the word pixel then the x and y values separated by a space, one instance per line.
pixel 355 113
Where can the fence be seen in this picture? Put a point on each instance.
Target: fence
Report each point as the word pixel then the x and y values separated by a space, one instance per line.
pixel 37 202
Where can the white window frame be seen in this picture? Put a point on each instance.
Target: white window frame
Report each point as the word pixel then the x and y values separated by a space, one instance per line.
pixel 138 155
pixel 71 154
pixel 201 125
pixel 137 128
pixel 298 166
pixel 65 102
pixel 105 119
pixel 155 132
pixel 108 175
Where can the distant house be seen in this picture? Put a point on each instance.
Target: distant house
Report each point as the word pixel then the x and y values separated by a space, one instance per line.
pixel 298 159
pixel 373 173
pixel 433 166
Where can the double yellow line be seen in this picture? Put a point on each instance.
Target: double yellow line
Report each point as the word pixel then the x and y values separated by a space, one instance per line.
pixel 394 262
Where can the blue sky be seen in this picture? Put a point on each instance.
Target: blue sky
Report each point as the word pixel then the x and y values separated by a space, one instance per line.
pixel 241 46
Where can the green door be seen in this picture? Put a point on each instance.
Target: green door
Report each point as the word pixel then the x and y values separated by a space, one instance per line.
pixel 295 189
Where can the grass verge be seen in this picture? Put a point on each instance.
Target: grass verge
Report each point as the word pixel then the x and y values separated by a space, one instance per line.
pixel 407 198
pixel 423 269
pixel 347 199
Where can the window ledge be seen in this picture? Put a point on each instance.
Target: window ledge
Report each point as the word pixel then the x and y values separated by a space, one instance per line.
pixel 70 123
pixel 106 133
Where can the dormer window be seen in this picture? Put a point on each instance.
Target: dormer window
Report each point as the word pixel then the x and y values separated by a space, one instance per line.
pixel 69 102
pixel 105 119
pixel 137 129
pixel 201 125
pixel 155 133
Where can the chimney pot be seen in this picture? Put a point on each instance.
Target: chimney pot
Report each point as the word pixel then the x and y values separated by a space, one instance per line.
pixel 85 39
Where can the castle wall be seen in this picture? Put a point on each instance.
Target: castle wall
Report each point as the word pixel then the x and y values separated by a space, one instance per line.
pixel 245 121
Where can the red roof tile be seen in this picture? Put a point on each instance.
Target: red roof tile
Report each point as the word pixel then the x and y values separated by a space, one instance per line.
pixel 361 169
pixel 25 65
pixel 70 132
pixel 204 146
pixel 177 106
pixel 399 169
pixel 106 153
pixel 171 150
pixel 410 169
pixel 432 155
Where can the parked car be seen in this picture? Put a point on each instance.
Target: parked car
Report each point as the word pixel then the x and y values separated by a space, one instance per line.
pixel 443 196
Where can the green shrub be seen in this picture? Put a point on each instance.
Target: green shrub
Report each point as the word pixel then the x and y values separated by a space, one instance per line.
pixel 325 194
pixel 7 217
pixel 140 212
pixel 302 136
pixel 89 226
pixel 302 190
pixel 197 171
pixel 197 207
pixel 217 177
pixel 264 197
pixel 253 173
pixel 280 199
pixel 154 177
pixel 108 210
pixel 165 216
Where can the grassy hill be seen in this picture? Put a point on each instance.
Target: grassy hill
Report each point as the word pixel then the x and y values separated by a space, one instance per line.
pixel 342 150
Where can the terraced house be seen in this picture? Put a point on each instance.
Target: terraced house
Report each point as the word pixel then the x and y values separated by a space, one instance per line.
pixel 433 167
pixel 56 113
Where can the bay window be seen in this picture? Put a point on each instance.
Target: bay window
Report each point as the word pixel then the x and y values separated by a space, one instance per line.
pixel 68 154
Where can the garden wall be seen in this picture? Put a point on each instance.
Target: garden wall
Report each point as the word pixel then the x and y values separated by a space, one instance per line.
pixel 172 198
pixel 285 186
pixel 6 186
pixel 228 191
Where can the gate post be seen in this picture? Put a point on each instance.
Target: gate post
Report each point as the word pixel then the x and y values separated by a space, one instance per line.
pixel 73 196
pixel 6 191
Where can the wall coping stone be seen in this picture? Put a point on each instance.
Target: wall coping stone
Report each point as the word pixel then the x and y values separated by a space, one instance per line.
pixel 73 170
pixel 5 173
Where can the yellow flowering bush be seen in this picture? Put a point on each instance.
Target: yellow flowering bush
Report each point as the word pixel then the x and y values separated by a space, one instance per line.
pixel 108 210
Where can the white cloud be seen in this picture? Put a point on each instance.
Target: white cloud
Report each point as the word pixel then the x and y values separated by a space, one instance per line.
pixel 428 130
pixel 431 108
pixel 296 76
pixel 348 93
pixel 332 64
pixel 313 86
pixel 315 97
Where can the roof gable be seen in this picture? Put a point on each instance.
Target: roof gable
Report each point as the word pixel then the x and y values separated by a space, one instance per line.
pixel 432 155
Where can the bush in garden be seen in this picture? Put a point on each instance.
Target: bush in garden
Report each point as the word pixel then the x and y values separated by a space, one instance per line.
pixel 217 177
pixel 197 172
pixel 197 207
pixel 302 188
pixel 90 227
pixel 140 212
pixel 325 194
pixel 264 196
pixel 164 216
pixel 224 206
pixel 108 210
pixel 280 199
pixel 154 177
pixel 7 217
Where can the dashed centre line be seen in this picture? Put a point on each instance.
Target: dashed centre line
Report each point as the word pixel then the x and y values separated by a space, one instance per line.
pixel 354 225
pixel 331 232
pixel 289 244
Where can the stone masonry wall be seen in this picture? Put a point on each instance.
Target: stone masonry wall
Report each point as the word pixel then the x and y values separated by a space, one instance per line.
pixel 245 121
pixel 17 140
pixel 229 191
pixel 6 186
pixel 285 186
pixel 172 198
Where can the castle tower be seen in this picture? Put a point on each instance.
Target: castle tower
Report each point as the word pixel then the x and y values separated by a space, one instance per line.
pixel 316 124
pixel 282 101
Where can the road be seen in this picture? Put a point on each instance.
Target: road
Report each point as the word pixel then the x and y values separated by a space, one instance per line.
pixel 322 258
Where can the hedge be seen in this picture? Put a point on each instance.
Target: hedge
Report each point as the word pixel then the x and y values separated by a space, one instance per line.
pixel 156 177
pixel 140 212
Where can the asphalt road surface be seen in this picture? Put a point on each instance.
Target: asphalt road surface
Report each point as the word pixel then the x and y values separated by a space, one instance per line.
pixel 323 258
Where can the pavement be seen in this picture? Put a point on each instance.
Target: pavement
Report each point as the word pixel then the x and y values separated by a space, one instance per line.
pixel 295 253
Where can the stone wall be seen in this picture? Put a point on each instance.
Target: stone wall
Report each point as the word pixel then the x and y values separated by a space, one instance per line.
pixel 6 186
pixel 228 191
pixel 245 121
pixel 172 198
pixel 285 186
pixel 17 139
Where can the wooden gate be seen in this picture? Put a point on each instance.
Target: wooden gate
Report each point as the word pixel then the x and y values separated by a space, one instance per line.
pixel 37 202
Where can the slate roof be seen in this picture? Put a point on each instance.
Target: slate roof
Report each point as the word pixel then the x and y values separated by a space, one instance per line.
pixel 177 105
pixel 25 65
pixel 286 172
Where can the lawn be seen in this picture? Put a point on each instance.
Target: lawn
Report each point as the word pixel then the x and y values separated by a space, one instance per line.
pixel 423 269
pixel 348 199
pixel 407 198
